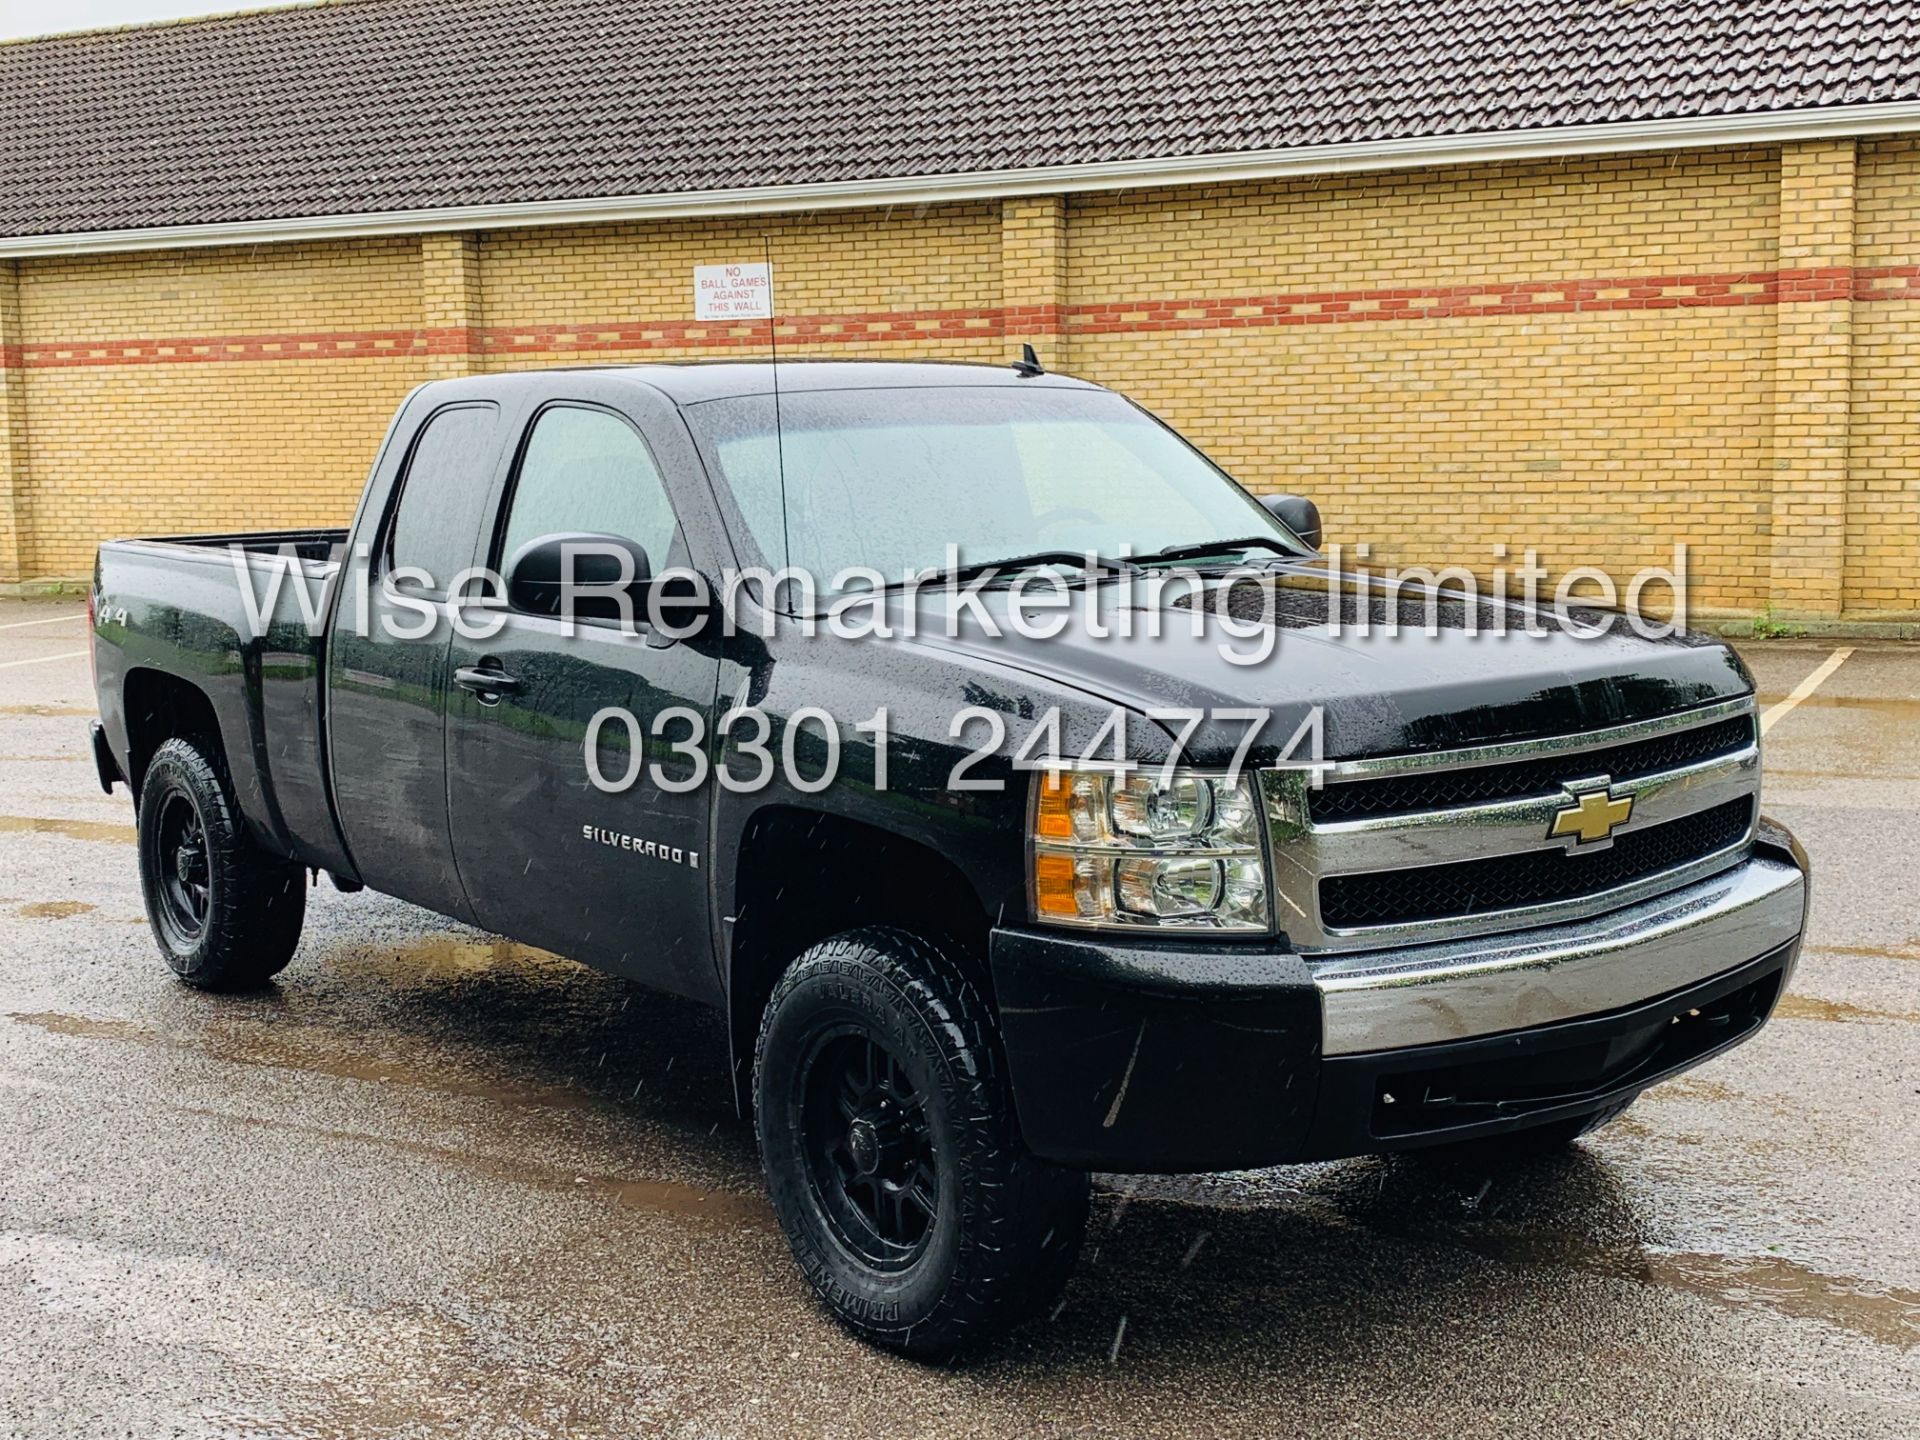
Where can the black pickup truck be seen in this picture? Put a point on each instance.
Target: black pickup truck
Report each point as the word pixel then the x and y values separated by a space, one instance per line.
pixel 987 905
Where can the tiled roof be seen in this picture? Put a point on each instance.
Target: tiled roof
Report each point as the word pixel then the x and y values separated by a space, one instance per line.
pixel 379 105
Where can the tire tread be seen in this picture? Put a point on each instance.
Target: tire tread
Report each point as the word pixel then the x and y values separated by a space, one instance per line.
pixel 258 899
pixel 1023 1219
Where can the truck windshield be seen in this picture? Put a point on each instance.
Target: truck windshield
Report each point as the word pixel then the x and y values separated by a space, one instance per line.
pixel 890 478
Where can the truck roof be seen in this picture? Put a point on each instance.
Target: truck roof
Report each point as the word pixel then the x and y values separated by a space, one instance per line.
pixel 690 382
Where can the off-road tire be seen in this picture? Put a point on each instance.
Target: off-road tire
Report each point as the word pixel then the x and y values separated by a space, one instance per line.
pixel 251 904
pixel 1007 1226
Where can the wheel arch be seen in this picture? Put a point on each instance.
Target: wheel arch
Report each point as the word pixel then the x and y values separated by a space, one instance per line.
pixel 807 874
pixel 160 707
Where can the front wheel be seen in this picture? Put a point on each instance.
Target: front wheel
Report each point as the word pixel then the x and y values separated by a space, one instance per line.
pixel 887 1131
pixel 227 915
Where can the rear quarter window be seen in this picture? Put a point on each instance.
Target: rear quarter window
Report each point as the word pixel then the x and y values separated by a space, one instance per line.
pixel 437 519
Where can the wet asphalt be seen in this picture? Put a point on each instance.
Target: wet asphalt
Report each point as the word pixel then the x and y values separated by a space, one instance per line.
pixel 433 1183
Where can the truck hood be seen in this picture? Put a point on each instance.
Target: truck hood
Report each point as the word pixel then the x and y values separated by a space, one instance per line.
pixel 1380 691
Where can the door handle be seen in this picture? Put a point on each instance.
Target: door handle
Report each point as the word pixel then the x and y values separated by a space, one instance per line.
pixel 485 681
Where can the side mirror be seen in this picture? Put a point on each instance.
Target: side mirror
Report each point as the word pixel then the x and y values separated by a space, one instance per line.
pixel 1297 513
pixel 539 572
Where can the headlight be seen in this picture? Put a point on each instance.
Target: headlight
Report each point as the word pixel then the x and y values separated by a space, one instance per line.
pixel 1129 850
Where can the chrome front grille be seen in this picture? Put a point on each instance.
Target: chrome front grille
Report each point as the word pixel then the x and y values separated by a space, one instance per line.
pixel 1531 877
pixel 1516 779
pixel 1456 843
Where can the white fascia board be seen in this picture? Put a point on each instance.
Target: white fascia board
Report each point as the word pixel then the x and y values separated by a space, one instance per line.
pixel 911 191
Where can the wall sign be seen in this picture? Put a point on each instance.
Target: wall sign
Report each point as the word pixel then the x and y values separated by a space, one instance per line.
pixel 733 292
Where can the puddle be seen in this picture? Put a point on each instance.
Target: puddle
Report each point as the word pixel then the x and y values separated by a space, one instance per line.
pixel 54 909
pixel 72 829
pixel 1867 952
pixel 1711 1092
pixel 261 1050
pixel 1694 1087
pixel 1887 704
pixel 443 957
pixel 657 1196
pixel 1890 1316
pixel 661 1197
pixel 727 1208
pixel 1805 1007
pixel 1787 1287
pixel 1775 773
pixel 73 710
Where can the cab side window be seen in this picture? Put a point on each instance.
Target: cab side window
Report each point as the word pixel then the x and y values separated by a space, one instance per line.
pixel 587 471
pixel 443 492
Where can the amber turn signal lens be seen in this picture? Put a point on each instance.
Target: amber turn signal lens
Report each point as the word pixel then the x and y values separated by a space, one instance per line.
pixel 1051 820
pixel 1053 885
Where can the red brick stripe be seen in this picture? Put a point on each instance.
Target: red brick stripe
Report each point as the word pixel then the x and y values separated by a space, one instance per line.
pixel 1886 282
pixel 214 349
pixel 853 330
pixel 859 328
pixel 1351 307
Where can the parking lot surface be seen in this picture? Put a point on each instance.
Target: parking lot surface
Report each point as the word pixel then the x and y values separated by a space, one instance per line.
pixel 435 1183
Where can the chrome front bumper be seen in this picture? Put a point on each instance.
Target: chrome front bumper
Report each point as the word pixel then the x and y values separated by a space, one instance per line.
pixel 1424 995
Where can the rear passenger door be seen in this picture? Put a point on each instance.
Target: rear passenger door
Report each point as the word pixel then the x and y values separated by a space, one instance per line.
pixel 387 666
pixel 616 879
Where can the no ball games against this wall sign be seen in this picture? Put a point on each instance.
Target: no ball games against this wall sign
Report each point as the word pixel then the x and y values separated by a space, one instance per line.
pixel 733 292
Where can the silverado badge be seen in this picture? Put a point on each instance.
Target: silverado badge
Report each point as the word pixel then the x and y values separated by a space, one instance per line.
pixel 1591 816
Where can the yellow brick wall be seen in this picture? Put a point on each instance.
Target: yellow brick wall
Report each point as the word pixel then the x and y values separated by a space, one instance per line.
pixel 847 263
pixel 1523 354
pixel 1033 275
pixel 1883 465
pixel 1812 369
pixel 13 428
pixel 193 445
pixel 1597 438
pixel 1559 220
pixel 451 299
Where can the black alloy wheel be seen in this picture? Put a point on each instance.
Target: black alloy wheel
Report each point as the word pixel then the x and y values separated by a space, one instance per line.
pixel 185 869
pixel 869 1148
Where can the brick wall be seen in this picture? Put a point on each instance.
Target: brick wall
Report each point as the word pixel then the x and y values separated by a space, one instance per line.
pixel 1449 361
pixel 207 389
pixel 845 282
pixel 1883 441
pixel 1598 358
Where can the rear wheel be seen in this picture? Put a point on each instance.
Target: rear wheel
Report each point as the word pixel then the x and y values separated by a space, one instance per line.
pixel 895 1166
pixel 227 915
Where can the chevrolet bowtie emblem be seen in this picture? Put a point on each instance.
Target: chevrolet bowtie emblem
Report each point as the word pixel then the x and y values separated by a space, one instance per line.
pixel 1593 815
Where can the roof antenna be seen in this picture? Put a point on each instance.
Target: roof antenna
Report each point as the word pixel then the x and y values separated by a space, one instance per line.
pixel 779 442
pixel 1028 365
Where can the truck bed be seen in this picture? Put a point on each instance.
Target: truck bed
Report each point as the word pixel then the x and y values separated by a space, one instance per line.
pixel 171 612
pixel 308 545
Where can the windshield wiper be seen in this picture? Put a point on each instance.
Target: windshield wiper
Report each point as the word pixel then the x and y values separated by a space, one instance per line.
pixel 1221 547
pixel 975 569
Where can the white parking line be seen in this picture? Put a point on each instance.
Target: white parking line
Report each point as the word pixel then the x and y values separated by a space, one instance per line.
pixel 42 659
pixel 1776 713
pixel 23 624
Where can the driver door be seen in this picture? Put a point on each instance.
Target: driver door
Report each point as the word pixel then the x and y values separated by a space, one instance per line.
pixel 617 880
